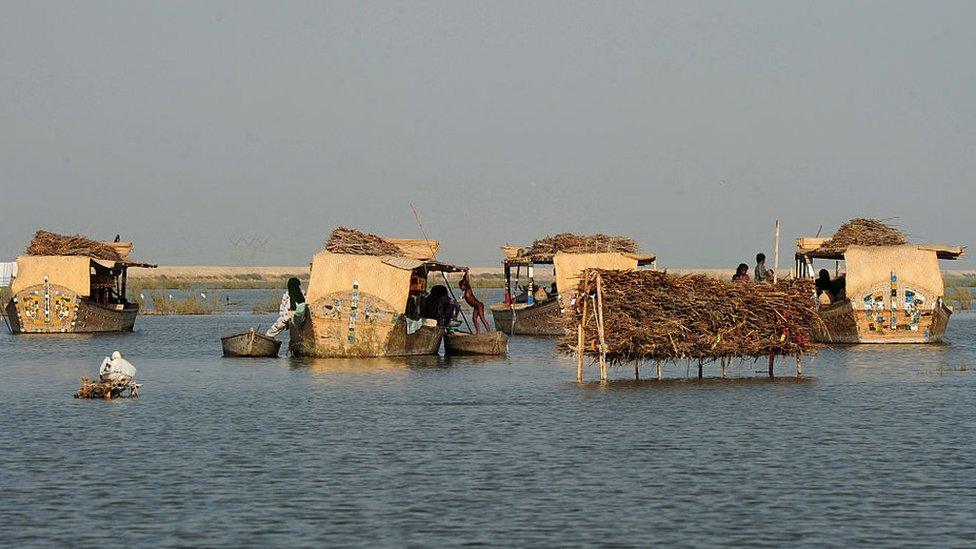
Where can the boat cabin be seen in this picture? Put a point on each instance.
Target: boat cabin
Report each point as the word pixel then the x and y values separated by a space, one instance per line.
pixel 373 305
pixel 71 294
pixel 877 294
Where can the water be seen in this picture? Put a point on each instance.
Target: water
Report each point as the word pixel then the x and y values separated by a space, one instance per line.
pixel 878 448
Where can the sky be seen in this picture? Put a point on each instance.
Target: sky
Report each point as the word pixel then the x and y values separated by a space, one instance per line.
pixel 234 133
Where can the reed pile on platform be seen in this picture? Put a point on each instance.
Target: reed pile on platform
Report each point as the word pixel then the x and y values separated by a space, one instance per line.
pixel 48 243
pixel 863 232
pixel 351 241
pixel 650 315
pixel 574 243
pixel 107 390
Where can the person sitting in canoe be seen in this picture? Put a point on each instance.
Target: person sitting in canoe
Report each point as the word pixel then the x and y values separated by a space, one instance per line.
pixel 292 301
pixel 477 307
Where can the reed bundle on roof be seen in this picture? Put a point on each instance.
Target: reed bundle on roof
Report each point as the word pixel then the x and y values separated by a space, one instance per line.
pixel 350 241
pixel 650 315
pixel 48 243
pixel 863 232
pixel 574 243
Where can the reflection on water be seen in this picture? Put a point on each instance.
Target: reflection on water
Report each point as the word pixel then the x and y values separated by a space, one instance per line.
pixel 875 446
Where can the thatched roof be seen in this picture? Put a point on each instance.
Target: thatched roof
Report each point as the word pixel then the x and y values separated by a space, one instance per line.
pixel 650 315
pixel 347 241
pixel 46 243
pixel 544 249
pixel 865 232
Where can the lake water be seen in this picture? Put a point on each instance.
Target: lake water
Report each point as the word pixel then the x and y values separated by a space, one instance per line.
pixel 878 446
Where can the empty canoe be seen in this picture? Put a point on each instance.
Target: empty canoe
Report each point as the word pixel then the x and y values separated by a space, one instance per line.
pixel 487 343
pixel 250 343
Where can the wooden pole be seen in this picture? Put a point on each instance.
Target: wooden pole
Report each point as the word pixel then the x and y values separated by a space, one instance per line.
pixel 599 326
pixel 699 368
pixel 660 371
pixel 772 358
pixel 582 329
pixel 637 371
pixel 799 366
pixel 579 354
pixel 776 254
pixel 724 373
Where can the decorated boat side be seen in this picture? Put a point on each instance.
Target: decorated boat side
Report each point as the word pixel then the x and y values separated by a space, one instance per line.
pixel 368 296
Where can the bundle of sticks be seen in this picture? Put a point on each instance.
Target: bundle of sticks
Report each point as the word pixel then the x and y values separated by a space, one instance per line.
pixel 574 243
pixel 107 390
pixel 350 241
pixel 48 243
pixel 650 315
pixel 863 232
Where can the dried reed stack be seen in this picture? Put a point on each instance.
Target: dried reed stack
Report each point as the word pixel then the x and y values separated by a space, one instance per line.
pixel 574 243
pixel 863 232
pixel 650 315
pixel 351 241
pixel 107 390
pixel 48 243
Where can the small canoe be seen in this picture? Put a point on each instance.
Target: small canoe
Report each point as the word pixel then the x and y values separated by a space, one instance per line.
pixel 486 343
pixel 250 343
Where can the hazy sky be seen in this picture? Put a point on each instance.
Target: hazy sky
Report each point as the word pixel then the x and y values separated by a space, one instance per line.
pixel 241 132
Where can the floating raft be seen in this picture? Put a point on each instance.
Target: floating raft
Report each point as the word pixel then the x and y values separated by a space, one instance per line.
pixel 487 343
pixel 108 390
pixel 250 344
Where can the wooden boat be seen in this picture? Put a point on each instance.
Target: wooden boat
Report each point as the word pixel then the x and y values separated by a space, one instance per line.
pixel 250 344
pixel 543 318
pixel 888 294
pixel 369 305
pixel 843 323
pixel 70 294
pixel 485 343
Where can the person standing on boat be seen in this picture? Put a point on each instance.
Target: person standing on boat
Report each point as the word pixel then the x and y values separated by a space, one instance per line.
pixel 290 302
pixel 762 273
pixel 477 307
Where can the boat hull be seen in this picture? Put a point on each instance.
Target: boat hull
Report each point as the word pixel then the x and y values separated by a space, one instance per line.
pixel 544 319
pixel 332 338
pixel 58 310
pixel 485 343
pixel 249 344
pixel 842 323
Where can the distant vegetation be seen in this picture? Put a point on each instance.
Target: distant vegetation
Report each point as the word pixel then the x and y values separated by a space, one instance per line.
pixel 268 304
pixel 238 282
pixel 959 291
pixel 161 303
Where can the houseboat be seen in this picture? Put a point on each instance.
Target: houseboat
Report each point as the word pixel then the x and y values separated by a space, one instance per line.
pixel 529 311
pixel 67 293
pixel 876 290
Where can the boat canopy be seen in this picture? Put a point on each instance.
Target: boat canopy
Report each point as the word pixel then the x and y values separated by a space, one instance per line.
pixel 70 271
pixel 385 277
pixel 869 270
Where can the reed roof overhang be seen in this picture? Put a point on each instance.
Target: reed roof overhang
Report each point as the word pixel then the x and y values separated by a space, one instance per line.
pixel 808 247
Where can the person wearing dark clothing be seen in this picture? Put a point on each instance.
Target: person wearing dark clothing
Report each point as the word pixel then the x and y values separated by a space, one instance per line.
pixel 741 273
pixel 439 306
